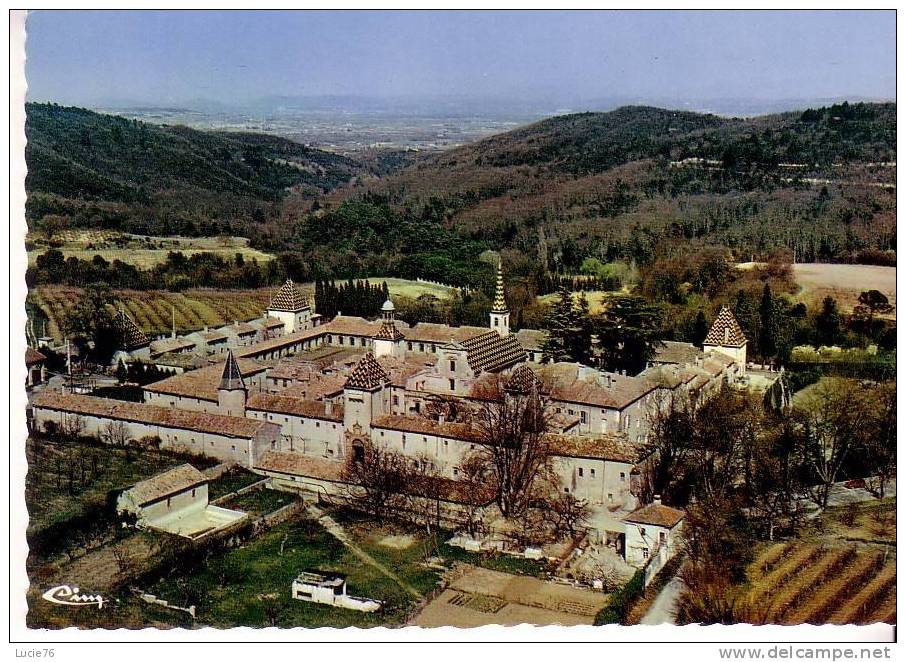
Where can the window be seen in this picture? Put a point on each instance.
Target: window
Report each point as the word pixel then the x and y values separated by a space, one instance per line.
pixel 455 471
pixel 609 496
pixel 580 472
pixel 662 536
pixel 622 477
pixel 421 347
pixel 452 365
pixel 566 489
pixel 446 442
pixel 396 399
pixel 644 552
pixel 592 473
pixel 410 346
pixel 570 412
pixel 452 384
pixel 193 495
pixel 168 503
pixel 496 322
pixel 642 531
pixel 583 416
pixel 342 340
pixel 234 446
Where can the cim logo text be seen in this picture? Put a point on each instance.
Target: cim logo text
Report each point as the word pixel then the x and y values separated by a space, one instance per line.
pixel 70 596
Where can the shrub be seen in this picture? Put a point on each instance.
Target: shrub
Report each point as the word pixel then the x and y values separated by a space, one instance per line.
pixel 617 609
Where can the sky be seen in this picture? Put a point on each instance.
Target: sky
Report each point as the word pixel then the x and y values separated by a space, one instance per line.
pixel 168 57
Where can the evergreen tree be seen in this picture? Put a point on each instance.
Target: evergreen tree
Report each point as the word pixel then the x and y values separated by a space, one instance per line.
pixel 746 315
pixel 557 323
pixel 629 332
pixel 827 323
pixel 767 331
pixel 700 329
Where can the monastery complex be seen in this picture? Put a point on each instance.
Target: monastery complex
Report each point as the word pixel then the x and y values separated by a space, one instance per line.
pixel 294 398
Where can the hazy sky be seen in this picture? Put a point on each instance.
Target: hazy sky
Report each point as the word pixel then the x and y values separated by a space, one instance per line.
pixel 166 57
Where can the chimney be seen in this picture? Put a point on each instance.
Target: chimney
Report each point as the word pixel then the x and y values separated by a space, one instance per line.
pixel 657 500
pixel 609 380
pixel 441 418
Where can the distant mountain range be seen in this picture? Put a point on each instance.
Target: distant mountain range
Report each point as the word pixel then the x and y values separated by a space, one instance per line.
pixel 455 106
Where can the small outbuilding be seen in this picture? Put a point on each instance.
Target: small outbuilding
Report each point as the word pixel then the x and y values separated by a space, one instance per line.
pixel 329 589
pixel 649 528
pixel 176 501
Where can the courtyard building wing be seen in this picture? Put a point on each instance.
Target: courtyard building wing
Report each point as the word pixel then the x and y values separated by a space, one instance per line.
pixel 176 480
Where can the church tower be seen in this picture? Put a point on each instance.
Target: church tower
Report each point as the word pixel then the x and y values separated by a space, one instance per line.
pixel 291 306
pixel 232 394
pixel 389 340
pixel 500 315
pixel 727 337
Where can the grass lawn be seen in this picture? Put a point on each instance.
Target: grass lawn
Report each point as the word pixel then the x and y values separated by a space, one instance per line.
pixel 231 480
pixel 260 501
pixel 410 288
pixel 250 585
pixel 596 300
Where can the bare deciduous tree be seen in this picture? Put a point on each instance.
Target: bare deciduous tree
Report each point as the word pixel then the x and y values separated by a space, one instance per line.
pixel 833 418
pixel 115 433
pixel 379 479
pixel 513 429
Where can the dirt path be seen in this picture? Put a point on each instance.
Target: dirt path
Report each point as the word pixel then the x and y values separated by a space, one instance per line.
pixel 337 531
pixel 663 609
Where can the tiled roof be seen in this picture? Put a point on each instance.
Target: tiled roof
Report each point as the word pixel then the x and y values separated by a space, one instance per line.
pixel 297 464
pixel 287 404
pixel 582 385
pixel 532 339
pixel 33 356
pixel 442 333
pixel 214 336
pixel 422 425
pixel 725 331
pixel 178 479
pixel 367 375
pixel 280 342
pixel 523 380
pixel 402 368
pixel 87 405
pixel 289 298
pixel 492 352
pixel 243 329
pixel 202 383
pixel 613 447
pixel 389 331
pixel 676 352
pixel 187 361
pixel 349 325
pixel 171 345
pixel 656 514
pixel 273 322
pixel 231 379
pixel 132 336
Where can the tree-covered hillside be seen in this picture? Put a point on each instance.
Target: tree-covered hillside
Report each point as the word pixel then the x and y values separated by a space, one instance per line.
pixel 95 169
pixel 818 185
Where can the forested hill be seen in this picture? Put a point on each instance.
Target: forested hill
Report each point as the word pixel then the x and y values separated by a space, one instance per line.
pixel 639 182
pixel 132 175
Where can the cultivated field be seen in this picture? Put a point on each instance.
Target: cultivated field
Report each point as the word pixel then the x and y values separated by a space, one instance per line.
pixel 143 252
pixel 152 310
pixel 844 282
pixel 845 572
pixel 195 308
pixel 410 288
pixel 486 597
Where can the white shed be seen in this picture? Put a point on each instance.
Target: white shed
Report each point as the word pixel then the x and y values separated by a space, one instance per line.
pixel 650 527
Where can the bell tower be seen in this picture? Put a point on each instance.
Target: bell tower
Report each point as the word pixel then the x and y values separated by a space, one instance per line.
pixel 500 315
